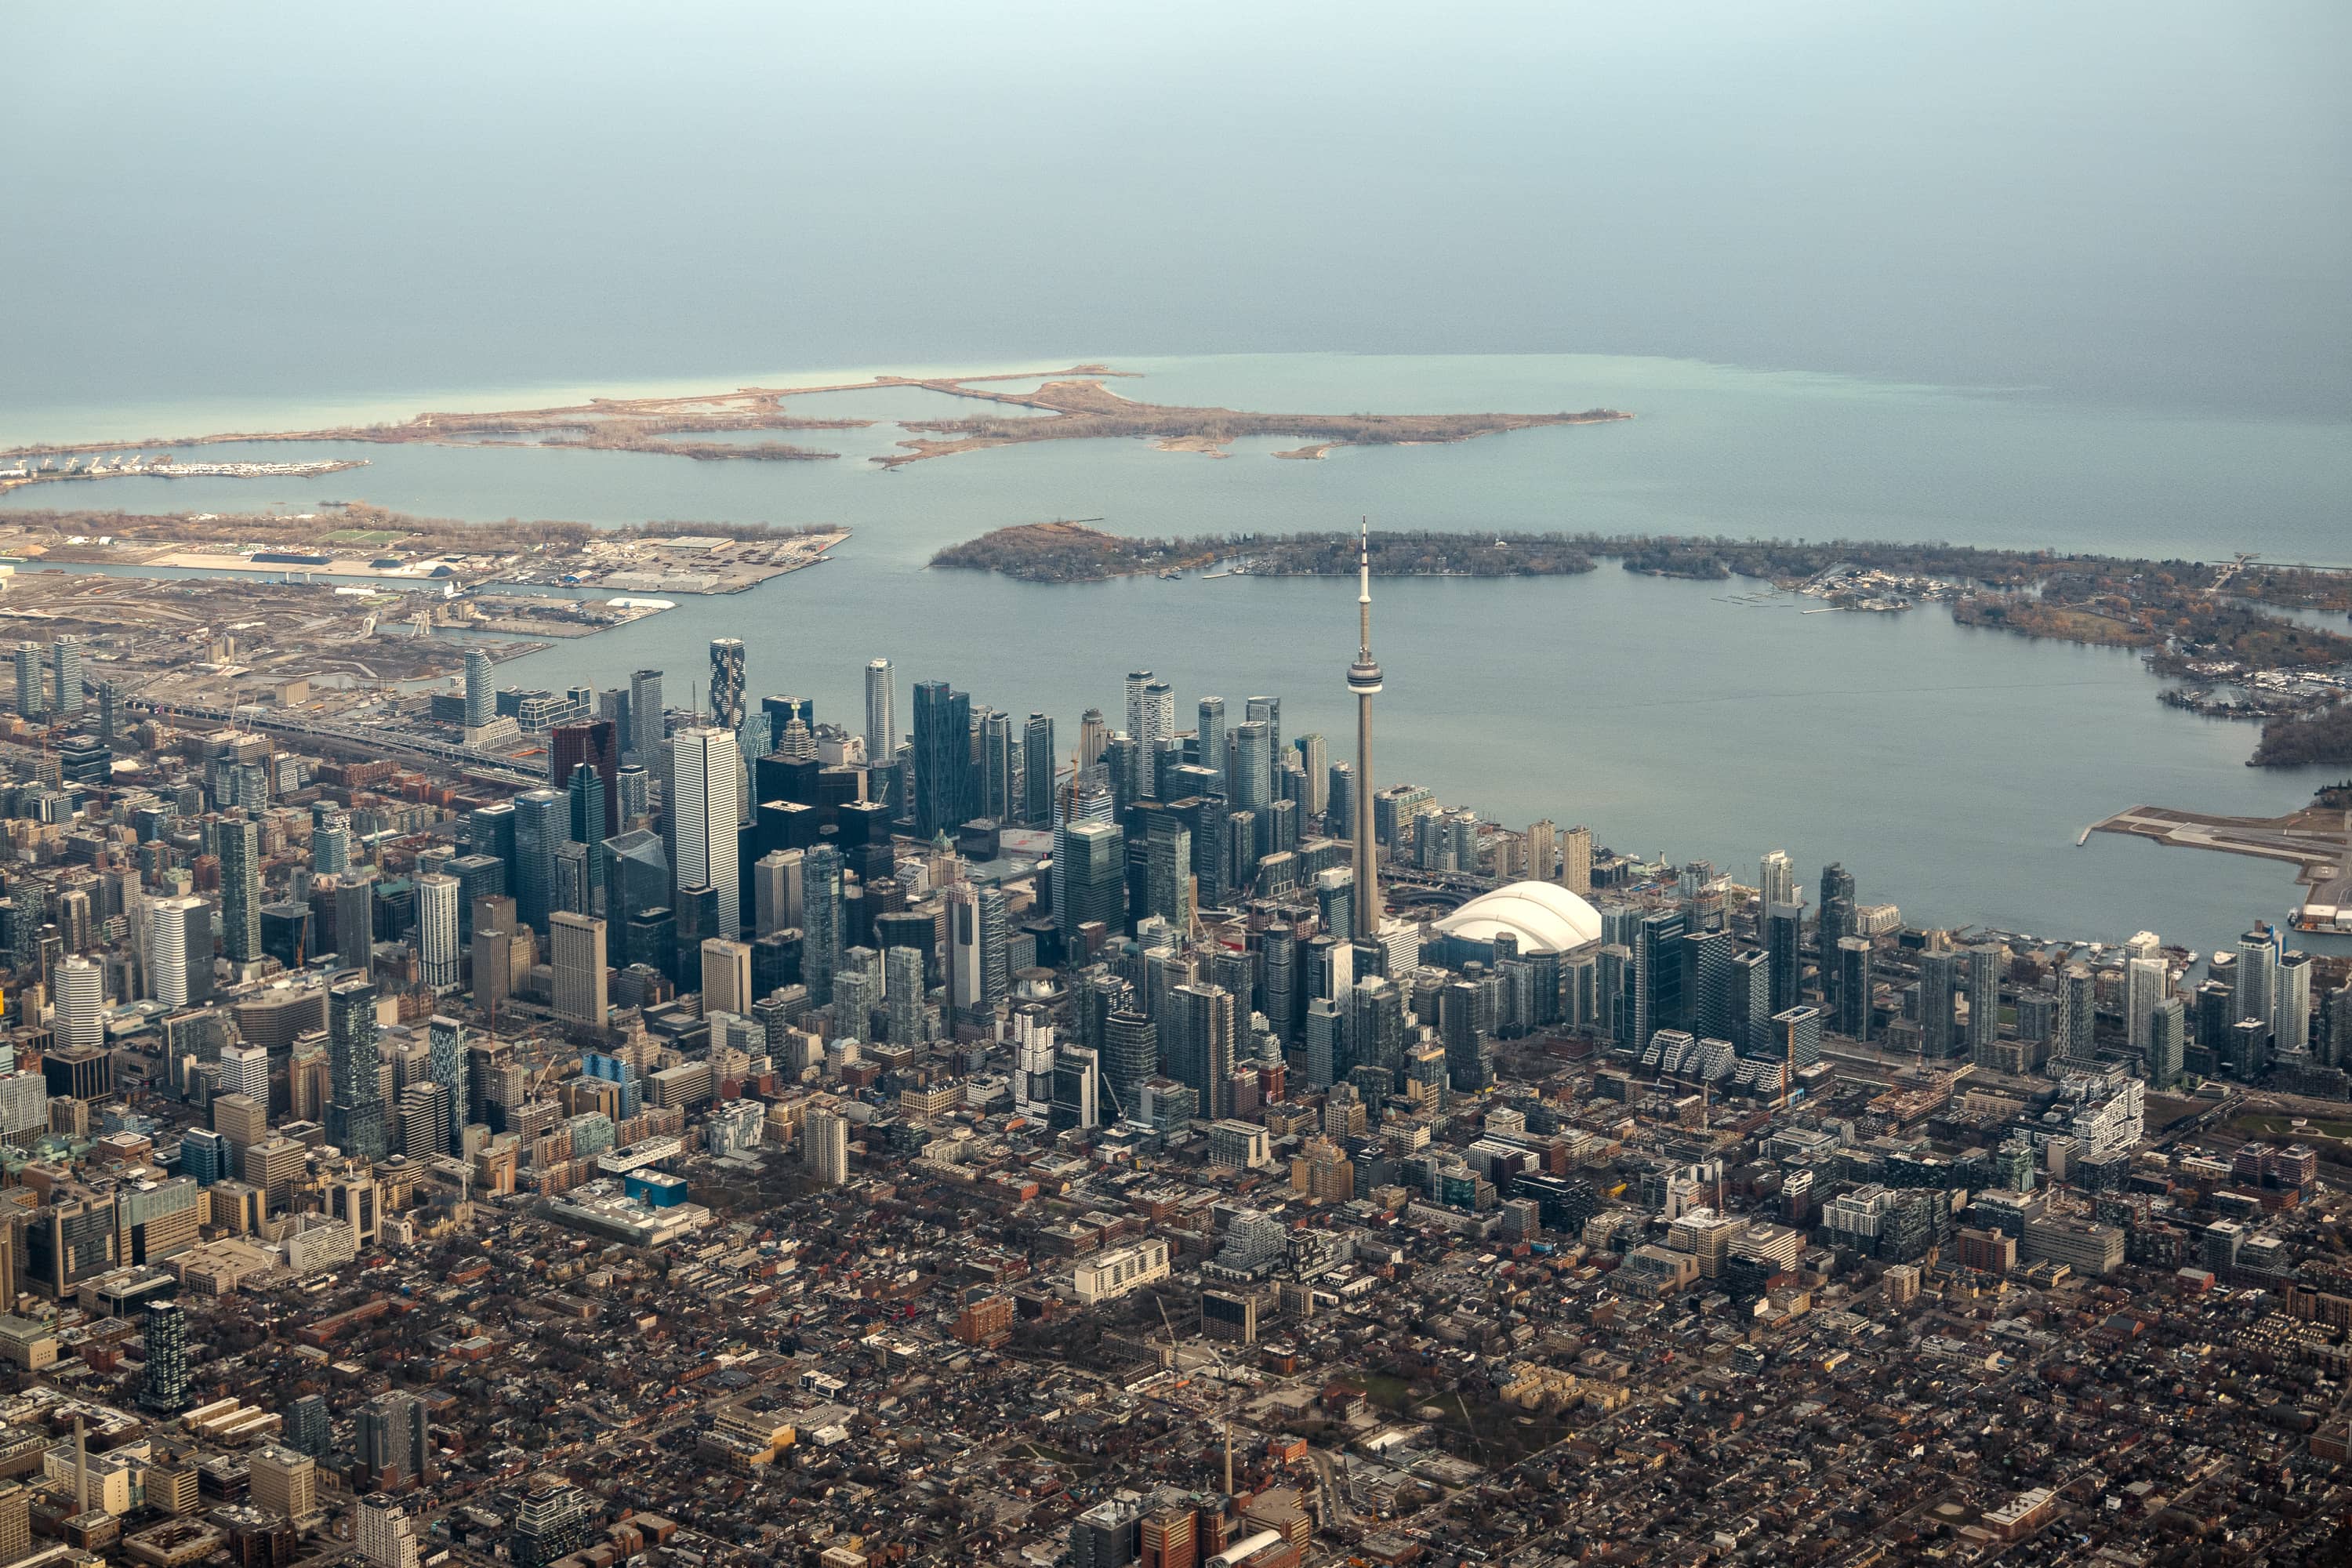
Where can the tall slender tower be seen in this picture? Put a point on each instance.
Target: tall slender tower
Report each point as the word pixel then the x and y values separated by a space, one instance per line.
pixel 1364 680
pixel 706 769
pixel 881 714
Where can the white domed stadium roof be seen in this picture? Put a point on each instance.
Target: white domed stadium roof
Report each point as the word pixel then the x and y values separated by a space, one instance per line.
pixel 1544 916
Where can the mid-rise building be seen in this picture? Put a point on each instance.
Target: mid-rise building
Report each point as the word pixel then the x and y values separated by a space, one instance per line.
pixel 824 1146
pixel 284 1481
pixel 578 961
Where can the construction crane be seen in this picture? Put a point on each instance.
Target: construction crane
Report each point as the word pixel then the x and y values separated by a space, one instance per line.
pixel 1227 1419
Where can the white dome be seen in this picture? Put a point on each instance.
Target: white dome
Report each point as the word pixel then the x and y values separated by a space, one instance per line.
pixel 1544 916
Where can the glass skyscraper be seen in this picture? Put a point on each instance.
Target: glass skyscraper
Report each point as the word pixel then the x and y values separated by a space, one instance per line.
pixel 1851 958
pixel 635 877
pixel 1939 1032
pixel 1167 871
pixel 446 1041
pixel 821 938
pixel 1983 965
pixel 1707 983
pixel 943 772
pixel 648 722
pixel 588 808
pixel 1038 770
pixel 240 896
pixel 1209 737
pixel 1197 1024
pixel 1837 922
pixel 996 802
pixel 1657 977
pixel 354 1085
pixel 542 819
pixel 1783 937
pixel 1130 1054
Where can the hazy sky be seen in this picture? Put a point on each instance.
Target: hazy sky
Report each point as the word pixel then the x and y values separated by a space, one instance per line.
pixel 2145 200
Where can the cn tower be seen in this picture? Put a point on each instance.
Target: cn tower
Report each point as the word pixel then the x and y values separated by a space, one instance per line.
pixel 1364 680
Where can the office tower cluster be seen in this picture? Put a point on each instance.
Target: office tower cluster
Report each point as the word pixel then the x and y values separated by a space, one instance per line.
pixel 1744 988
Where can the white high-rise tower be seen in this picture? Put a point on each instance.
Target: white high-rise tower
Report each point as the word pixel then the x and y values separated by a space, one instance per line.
pixel 1138 681
pixel 881 714
pixel 481 701
pixel 705 770
pixel 437 931
pixel 77 989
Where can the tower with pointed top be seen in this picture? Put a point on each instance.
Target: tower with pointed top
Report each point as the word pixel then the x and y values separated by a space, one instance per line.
pixel 1364 680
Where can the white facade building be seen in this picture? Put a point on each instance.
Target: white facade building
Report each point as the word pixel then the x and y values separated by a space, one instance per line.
pixel 1107 1276
pixel 79 989
pixel 706 775
pixel 437 931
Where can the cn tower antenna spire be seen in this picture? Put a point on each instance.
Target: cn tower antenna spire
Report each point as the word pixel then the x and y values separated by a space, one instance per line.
pixel 1364 680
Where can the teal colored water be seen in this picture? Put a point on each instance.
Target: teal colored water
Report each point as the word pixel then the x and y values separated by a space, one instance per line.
pixel 1951 769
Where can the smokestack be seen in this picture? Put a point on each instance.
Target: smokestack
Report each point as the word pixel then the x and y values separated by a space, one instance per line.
pixel 81 1469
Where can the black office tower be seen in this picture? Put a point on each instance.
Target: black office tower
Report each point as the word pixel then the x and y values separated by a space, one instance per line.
pixel 943 770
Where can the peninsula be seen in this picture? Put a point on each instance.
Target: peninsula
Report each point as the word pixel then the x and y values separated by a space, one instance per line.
pixel 1069 405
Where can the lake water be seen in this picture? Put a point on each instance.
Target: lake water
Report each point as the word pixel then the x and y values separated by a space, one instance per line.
pixel 1951 769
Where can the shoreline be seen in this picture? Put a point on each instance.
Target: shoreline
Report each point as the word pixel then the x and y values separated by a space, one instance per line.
pixel 355 542
pixel 24 474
